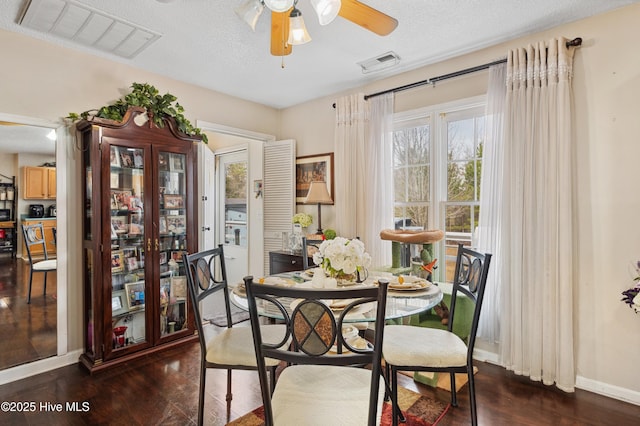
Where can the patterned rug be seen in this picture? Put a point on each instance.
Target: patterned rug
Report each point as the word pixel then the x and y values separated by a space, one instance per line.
pixel 419 410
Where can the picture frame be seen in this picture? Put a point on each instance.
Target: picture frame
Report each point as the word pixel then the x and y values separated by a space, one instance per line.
pixel 135 295
pixel 165 291
pixel 118 303
pixel 162 225
pixel 176 255
pixel 115 180
pixel 176 224
pixel 120 199
pixel 177 163
pixel 126 158
pixel 163 258
pixel 117 262
pixel 311 168
pixel 173 201
pixel 138 159
pixel 114 157
pixel 136 224
pixel 120 224
pixel 163 161
pixel 178 290
pixel 132 263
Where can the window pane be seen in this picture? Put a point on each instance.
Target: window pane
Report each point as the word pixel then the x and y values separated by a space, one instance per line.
pixel 419 216
pixel 400 185
pixel 418 183
pixel 460 139
pixel 458 219
pixel 399 148
pixel 461 181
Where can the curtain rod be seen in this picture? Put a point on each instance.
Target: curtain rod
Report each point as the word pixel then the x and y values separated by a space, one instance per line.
pixel 572 43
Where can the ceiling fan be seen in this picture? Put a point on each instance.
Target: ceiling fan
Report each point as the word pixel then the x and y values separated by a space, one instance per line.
pixel 287 26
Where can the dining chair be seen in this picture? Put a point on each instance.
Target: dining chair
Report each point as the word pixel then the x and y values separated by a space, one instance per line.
pixel 325 382
pixel 306 243
pixel 232 348
pixel 34 236
pixel 413 348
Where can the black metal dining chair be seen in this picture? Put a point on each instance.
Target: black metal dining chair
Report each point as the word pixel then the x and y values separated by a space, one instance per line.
pixel 413 348
pixel 325 382
pixel 232 348
pixel 34 236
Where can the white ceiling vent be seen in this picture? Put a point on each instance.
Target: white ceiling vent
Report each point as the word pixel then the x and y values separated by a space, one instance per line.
pixel 87 26
pixel 380 62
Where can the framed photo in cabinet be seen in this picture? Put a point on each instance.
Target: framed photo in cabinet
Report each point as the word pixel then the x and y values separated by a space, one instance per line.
pixel 120 199
pixel 135 294
pixel 114 156
pixel 126 158
pixel 132 264
pixel 117 262
pixel 118 303
pixel 120 224
pixel 163 162
pixel 178 288
pixel 162 226
pixel 172 201
pixel 163 258
pixel 136 224
pixel 177 163
pixel 176 224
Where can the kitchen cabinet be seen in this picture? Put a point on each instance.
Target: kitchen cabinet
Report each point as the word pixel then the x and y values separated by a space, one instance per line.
pixel 139 218
pixel 48 224
pixel 39 183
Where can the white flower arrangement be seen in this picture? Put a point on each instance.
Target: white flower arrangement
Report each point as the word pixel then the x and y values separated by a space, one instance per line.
pixel 631 296
pixel 303 219
pixel 342 256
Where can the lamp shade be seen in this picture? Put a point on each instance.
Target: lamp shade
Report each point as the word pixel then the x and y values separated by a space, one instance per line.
pixel 318 194
pixel 298 33
pixel 327 10
pixel 278 5
pixel 249 12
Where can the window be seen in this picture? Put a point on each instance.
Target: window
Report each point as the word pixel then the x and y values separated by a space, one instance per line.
pixel 437 164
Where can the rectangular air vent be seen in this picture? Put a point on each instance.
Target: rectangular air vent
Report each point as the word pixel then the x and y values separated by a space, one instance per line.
pixel 380 62
pixel 90 27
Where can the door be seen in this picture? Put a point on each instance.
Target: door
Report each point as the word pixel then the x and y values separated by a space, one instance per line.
pixel 232 212
pixel 206 186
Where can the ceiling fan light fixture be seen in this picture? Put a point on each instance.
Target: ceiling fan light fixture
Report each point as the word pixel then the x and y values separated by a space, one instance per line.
pixel 327 10
pixel 298 33
pixel 249 11
pixel 279 5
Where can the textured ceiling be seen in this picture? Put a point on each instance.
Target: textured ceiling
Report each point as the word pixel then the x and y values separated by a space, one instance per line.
pixel 204 43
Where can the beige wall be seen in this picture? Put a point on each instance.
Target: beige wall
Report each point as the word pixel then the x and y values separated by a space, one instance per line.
pixel 48 81
pixel 607 116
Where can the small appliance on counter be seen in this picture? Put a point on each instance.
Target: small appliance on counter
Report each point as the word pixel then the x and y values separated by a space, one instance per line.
pixel 53 211
pixel 36 210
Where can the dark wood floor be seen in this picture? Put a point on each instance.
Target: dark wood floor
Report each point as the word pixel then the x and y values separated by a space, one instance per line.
pixel 163 389
pixel 27 331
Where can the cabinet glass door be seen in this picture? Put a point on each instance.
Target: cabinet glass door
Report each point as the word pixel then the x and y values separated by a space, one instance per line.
pixel 172 230
pixel 128 234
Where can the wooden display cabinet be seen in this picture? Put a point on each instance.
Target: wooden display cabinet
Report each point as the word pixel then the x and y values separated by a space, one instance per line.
pixel 140 217
pixel 8 229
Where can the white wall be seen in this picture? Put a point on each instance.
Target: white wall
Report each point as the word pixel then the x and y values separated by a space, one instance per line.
pixel 607 115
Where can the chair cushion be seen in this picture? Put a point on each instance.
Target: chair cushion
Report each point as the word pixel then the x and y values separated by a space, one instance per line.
pixel 234 346
pixel 324 395
pixel 406 345
pixel 45 265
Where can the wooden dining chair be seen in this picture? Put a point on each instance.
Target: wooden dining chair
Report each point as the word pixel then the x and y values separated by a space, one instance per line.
pixel 34 237
pixel 413 348
pixel 232 348
pixel 325 382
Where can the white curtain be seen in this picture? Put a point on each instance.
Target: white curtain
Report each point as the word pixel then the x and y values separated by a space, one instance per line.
pixel 378 203
pixel 536 230
pixel 363 200
pixel 352 115
pixel 491 191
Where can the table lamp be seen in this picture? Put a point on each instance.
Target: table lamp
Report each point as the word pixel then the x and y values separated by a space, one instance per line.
pixel 318 194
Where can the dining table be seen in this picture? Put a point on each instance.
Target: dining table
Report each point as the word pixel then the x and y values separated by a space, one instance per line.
pixel 405 296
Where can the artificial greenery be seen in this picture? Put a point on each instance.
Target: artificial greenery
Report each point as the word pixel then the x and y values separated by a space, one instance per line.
pixel 146 96
pixel 329 234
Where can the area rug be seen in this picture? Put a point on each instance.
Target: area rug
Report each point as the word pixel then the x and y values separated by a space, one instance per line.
pixel 419 410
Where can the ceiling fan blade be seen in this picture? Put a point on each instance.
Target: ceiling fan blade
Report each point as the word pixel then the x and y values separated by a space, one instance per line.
pixel 280 33
pixel 367 17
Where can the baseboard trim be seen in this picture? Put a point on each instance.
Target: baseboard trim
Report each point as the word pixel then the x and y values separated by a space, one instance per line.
pixel 600 388
pixel 27 370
